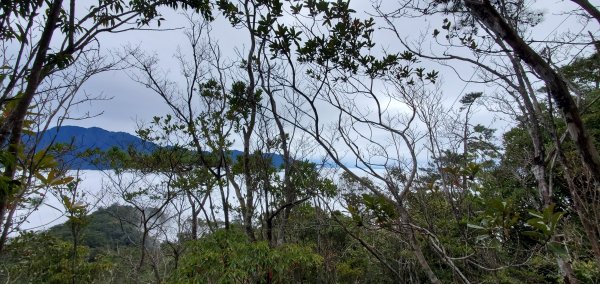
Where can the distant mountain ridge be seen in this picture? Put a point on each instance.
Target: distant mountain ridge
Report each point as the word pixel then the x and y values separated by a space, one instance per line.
pixel 95 137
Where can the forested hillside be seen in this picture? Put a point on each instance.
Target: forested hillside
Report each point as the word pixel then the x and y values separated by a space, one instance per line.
pixel 314 141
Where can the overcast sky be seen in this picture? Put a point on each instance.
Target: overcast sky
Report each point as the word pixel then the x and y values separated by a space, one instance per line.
pixel 132 103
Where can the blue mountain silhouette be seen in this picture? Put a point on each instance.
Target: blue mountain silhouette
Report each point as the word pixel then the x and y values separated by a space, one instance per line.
pixel 97 138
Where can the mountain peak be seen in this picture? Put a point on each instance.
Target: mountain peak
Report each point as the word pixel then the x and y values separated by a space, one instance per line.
pixel 84 139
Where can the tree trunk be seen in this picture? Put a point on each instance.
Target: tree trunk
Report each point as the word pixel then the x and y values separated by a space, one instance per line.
pixel 412 240
pixel 12 129
pixel 225 203
pixel 487 14
pixel 15 119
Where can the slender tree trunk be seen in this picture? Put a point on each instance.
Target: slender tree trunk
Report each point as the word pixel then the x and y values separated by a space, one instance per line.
pixel 566 270
pixel 6 228
pixel 590 228
pixel 156 273
pixel 250 96
pixel 75 234
pixel 225 203
pixel 412 240
pixel 142 248
pixel 538 167
pixel 195 213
